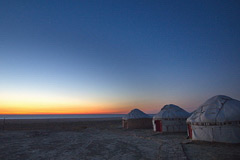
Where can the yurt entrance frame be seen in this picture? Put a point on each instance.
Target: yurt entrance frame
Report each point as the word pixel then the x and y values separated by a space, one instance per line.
pixel 124 124
pixel 158 124
pixel 190 131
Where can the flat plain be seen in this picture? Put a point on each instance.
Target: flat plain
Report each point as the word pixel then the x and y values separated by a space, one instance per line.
pixel 94 139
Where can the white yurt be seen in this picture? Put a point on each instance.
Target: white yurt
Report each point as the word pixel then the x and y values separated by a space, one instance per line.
pixel 171 118
pixel 136 119
pixel 217 120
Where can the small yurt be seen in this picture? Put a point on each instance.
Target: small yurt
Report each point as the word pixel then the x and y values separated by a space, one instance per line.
pixel 136 119
pixel 217 120
pixel 171 118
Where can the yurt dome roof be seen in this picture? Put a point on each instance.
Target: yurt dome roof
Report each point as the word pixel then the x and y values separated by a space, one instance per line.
pixel 219 108
pixel 171 111
pixel 136 114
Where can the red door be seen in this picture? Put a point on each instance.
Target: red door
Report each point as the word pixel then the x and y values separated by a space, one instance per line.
pixel 158 125
pixel 190 131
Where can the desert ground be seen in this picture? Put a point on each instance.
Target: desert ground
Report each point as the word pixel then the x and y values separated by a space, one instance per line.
pixel 100 139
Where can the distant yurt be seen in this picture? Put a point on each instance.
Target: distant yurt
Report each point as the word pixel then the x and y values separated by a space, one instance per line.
pixel 137 119
pixel 171 118
pixel 217 120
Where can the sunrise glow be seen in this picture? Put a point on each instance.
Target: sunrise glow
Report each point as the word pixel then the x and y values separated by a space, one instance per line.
pixel 104 57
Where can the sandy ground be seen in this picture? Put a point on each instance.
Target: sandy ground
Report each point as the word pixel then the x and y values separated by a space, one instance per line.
pixel 97 139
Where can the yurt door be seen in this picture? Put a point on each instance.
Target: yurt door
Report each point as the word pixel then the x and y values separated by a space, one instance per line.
pixel 125 124
pixel 190 131
pixel 158 125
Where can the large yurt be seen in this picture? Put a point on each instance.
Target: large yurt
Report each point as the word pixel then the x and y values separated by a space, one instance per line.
pixel 216 120
pixel 171 118
pixel 136 119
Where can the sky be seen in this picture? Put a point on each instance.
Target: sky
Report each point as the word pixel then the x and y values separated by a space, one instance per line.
pixel 100 56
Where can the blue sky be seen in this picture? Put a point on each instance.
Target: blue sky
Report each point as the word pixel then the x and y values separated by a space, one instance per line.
pixel 131 53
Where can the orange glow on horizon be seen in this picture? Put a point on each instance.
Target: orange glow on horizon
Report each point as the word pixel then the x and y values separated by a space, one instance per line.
pixel 61 109
pixel 60 113
pixel 40 103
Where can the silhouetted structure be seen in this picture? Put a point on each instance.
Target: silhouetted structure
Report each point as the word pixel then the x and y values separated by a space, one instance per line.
pixel 137 119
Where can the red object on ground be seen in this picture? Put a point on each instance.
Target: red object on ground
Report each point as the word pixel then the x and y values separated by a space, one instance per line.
pixel 158 125
pixel 190 131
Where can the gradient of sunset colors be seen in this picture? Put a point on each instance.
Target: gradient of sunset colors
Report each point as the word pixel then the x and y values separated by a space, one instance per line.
pixel 106 57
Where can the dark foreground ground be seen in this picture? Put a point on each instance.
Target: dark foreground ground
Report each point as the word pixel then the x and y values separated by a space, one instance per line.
pixel 99 139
